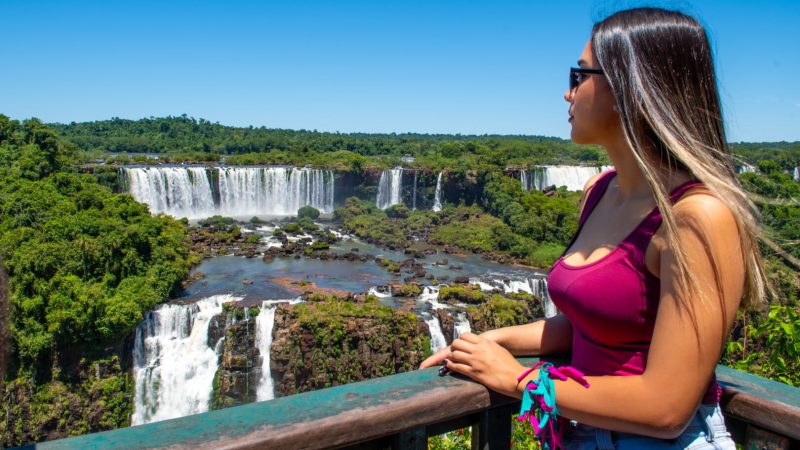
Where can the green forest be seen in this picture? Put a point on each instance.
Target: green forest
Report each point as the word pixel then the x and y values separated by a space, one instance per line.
pixel 84 263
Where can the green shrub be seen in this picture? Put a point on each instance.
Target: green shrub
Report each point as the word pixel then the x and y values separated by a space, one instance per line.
pixel 308 212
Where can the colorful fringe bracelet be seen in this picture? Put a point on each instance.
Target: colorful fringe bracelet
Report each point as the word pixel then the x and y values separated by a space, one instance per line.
pixel 539 402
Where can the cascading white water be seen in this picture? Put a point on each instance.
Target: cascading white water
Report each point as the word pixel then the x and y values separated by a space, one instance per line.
pixel 390 188
pixel 796 174
pixel 429 295
pixel 536 286
pixel 539 288
pixel 523 179
pixel 173 365
pixel 177 191
pixel 275 191
pixel 437 199
pixel 243 191
pixel 746 168
pixel 414 194
pixel 573 177
pixel 462 325
pixel 265 322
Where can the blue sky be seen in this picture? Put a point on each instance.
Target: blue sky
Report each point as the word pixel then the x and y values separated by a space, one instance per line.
pixel 468 67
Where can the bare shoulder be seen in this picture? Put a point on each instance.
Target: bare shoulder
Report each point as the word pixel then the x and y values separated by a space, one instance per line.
pixel 703 214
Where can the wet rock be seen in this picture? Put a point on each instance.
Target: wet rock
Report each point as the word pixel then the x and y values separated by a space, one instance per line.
pixel 448 324
pixel 442 262
pixel 216 329
pixel 461 280
pixel 240 367
pixel 247 282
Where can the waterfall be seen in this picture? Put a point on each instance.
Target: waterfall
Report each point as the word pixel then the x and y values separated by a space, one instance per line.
pixel 429 295
pixel 243 191
pixel 173 365
pixel 389 188
pixel 178 191
pixel 265 322
pixel 437 338
pixel 745 168
pixel 414 194
pixel 539 288
pixel 462 325
pixel 437 201
pixel 573 177
pixel 536 286
pixel 796 174
pixel 523 178
pixel 277 191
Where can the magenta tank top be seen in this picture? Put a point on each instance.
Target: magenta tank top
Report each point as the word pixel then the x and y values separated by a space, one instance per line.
pixel 612 302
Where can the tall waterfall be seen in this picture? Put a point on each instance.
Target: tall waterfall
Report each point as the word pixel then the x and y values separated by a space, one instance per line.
pixel 243 191
pixel 430 294
pixel 390 188
pixel 523 179
pixel 437 200
pixel 173 365
pixel 265 322
pixel 796 174
pixel 414 193
pixel 573 177
pixel 177 191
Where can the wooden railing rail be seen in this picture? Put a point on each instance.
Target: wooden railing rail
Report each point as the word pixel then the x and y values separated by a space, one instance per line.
pixel 403 410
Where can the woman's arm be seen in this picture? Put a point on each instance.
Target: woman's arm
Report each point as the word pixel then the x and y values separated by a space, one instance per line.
pixel 543 337
pixel 682 356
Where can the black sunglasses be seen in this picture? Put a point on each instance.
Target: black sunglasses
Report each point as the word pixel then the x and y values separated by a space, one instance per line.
pixel 576 75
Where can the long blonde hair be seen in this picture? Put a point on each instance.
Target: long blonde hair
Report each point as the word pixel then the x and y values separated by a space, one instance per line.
pixel 661 71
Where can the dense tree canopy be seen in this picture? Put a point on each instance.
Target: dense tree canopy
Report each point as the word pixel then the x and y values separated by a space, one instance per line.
pixel 84 264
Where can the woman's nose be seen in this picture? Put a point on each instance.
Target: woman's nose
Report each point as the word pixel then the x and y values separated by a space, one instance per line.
pixel 568 95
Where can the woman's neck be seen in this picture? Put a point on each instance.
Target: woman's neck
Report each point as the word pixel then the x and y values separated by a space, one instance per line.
pixel 631 182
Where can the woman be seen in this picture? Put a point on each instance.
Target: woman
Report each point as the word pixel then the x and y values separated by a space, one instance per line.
pixel 664 254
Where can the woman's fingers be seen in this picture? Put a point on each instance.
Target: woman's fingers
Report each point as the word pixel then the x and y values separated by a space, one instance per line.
pixel 463 369
pixel 435 359
pixel 470 337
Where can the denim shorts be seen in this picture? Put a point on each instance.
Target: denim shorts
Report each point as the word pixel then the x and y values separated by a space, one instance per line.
pixel 705 431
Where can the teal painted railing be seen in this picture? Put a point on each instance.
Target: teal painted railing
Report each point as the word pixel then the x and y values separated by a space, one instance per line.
pixel 401 411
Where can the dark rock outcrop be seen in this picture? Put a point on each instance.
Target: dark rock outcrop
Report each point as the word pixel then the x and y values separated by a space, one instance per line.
pixel 236 380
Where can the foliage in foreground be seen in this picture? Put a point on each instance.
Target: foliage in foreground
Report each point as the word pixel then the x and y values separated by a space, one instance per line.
pixel 84 265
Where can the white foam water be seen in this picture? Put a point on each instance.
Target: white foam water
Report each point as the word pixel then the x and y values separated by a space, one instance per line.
pixel 265 322
pixel 243 191
pixel 574 178
pixel 173 365
pixel 437 199
pixel 390 188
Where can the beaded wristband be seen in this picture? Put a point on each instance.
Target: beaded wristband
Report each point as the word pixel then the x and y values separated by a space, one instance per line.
pixel 539 402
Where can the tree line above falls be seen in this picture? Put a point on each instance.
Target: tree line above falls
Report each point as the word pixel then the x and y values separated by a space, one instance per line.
pixel 185 138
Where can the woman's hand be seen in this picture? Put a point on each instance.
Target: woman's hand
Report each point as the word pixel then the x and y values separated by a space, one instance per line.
pixel 435 359
pixel 483 360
